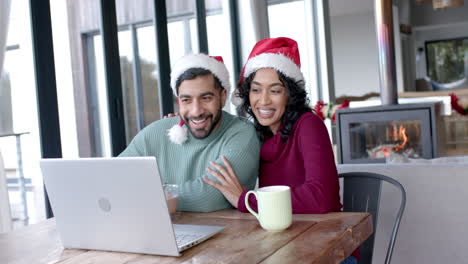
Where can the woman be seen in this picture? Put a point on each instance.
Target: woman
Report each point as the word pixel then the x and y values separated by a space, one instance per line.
pixel 296 149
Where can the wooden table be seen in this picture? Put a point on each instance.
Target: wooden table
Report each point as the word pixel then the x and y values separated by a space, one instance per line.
pixel 326 238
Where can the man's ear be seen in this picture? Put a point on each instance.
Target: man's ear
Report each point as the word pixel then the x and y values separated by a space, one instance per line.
pixel 178 101
pixel 223 97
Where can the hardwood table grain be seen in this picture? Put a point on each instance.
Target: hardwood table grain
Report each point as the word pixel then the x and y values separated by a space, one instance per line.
pixel 327 238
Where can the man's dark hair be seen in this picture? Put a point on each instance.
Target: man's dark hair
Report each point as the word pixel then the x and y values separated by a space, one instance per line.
pixel 193 73
pixel 296 106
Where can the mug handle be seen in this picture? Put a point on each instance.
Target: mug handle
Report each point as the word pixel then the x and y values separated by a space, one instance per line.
pixel 246 200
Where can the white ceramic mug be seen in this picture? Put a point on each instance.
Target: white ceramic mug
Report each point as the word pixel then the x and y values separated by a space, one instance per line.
pixel 274 207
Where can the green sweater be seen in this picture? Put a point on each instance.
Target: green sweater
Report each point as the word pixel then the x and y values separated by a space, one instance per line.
pixel 185 164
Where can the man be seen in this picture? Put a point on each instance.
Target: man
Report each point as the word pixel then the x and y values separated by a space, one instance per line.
pixel 184 146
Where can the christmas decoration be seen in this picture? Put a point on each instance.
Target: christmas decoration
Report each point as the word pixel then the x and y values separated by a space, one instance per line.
pixel 324 110
pixel 459 105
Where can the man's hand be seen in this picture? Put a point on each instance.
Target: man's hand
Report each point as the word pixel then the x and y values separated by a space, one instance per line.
pixel 228 184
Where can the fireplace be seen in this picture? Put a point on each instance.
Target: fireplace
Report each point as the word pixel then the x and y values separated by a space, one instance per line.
pixel 370 134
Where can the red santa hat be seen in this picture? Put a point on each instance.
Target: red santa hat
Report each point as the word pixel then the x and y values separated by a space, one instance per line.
pixel 281 54
pixel 215 64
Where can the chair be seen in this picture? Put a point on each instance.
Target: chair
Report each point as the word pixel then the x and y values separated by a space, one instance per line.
pixel 361 193
pixel 5 213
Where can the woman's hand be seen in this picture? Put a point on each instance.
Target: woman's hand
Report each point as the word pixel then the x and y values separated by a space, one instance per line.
pixel 170 115
pixel 228 184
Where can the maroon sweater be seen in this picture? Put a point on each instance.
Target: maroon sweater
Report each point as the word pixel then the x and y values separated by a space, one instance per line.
pixel 305 162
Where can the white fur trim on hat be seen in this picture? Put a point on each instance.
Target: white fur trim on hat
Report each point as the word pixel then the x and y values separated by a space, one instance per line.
pixel 276 61
pixel 178 133
pixel 200 61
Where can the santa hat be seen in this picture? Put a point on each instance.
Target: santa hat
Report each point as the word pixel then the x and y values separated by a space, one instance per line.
pixel 214 64
pixel 179 133
pixel 281 54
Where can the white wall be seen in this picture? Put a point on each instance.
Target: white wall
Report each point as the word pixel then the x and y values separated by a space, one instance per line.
pixel 355 54
pixel 430 24
pixel 439 32
pixel 425 15
pixel 355 59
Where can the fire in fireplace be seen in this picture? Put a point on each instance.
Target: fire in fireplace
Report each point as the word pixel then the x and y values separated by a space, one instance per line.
pixel 398 137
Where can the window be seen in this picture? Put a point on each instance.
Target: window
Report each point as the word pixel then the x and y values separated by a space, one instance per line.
pixel 82 96
pixel 139 84
pixel 283 16
pixel 19 130
pixel 149 85
pixel 447 60
pixel 219 39
pixel 137 48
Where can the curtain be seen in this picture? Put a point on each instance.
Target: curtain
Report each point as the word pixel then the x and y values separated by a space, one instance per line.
pixel 5 92
pixel 4 19
pixel 5 214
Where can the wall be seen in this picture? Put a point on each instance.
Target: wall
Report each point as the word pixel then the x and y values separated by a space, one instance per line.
pixel 355 52
pixel 423 34
pixel 355 48
pixel 429 24
pixel 425 15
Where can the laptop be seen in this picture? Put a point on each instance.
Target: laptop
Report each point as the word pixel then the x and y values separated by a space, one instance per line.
pixel 116 204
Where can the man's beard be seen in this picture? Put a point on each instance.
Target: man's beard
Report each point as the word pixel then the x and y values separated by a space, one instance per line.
pixel 208 130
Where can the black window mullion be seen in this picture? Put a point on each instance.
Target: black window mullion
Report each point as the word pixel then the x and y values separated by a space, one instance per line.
pixel 44 66
pixel 235 36
pixel 113 75
pixel 164 63
pixel 201 26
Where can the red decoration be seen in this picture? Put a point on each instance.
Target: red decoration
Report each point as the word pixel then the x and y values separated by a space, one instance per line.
pixel 324 110
pixel 456 105
pixel 342 105
pixel 318 109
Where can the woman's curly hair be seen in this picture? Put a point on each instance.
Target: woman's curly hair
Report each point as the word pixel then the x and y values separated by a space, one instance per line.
pixel 296 106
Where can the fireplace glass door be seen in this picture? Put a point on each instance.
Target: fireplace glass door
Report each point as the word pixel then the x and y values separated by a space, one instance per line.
pixel 376 140
pixel 371 137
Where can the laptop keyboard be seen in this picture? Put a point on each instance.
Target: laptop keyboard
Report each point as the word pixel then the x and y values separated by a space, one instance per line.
pixel 182 239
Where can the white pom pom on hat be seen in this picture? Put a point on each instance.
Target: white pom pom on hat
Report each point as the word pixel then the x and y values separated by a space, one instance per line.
pixel 281 54
pixel 178 133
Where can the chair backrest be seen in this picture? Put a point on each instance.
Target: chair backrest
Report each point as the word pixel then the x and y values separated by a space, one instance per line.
pixel 361 193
